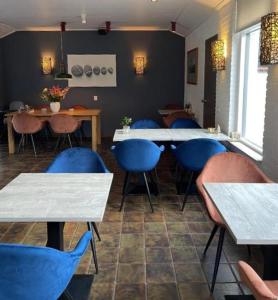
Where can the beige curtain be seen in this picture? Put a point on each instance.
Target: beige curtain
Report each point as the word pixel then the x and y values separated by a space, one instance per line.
pixel 249 12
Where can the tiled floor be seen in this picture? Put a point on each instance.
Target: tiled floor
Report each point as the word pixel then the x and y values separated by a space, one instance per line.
pixel 142 255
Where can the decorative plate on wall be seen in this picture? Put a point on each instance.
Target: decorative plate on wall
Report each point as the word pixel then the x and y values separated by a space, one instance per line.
pixel 88 70
pixel 77 70
pixel 96 70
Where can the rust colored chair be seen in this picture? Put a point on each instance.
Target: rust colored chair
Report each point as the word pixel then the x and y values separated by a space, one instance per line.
pixel 168 120
pixel 230 168
pixel 64 126
pixel 80 123
pixel 262 290
pixel 25 124
pixel 173 106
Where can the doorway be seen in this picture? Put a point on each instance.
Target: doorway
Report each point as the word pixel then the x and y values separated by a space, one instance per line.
pixel 209 88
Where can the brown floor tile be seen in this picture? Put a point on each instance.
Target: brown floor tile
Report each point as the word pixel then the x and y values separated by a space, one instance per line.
pixel 106 274
pixel 189 273
pixel 130 292
pixel 110 240
pixel 157 240
pixel 160 273
pixel 110 227
pixel 166 291
pixel 184 255
pixel 224 273
pixel 131 273
pixel 158 255
pixel 110 216
pixel 157 216
pixel 132 255
pixel 132 240
pixel 102 291
pixel 133 227
pixel 200 227
pixel 133 217
pixel 154 227
pixel 177 228
pixel 174 216
pixel 180 240
pixel 107 255
pixel 194 291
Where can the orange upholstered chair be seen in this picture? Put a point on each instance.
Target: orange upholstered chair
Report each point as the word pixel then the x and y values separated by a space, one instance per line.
pixel 261 290
pixel 168 120
pixel 64 126
pixel 25 124
pixel 225 167
pixel 80 123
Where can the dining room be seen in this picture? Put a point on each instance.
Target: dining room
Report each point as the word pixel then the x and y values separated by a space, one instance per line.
pixel 138 150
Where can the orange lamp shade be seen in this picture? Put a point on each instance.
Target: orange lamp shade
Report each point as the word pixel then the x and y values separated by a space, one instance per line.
pixel 139 65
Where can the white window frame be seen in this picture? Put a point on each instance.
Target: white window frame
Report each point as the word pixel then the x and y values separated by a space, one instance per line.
pixel 242 50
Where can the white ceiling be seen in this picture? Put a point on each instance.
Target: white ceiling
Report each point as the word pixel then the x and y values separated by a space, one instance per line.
pixel 123 14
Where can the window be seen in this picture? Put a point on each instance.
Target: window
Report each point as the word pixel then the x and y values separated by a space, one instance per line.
pixel 252 90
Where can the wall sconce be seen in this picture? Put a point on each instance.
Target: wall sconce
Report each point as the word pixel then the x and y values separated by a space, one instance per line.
pixel 139 65
pixel 218 55
pixel 46 65
pixel 269 39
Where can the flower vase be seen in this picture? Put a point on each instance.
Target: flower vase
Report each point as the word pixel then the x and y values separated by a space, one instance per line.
pixel 55 106
pixel 126 129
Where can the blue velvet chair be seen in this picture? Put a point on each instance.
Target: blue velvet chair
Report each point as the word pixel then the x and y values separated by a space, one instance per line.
pixel 80 160
pixel 192 156
pixel 185 123
pixel 28 272
pixel 144 124
pixel 137 156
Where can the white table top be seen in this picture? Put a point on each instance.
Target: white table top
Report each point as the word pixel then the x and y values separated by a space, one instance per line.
pixel 45 197
pixel 167 134
pixel 249 210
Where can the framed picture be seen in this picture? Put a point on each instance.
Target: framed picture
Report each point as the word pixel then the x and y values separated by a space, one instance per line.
pixel 192 66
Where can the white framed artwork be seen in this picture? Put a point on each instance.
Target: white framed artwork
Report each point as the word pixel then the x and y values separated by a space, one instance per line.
pixel 92 70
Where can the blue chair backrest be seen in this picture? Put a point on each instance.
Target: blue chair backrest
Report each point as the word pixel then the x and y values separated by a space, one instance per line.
pixel 77 160
pixel 137 155
pixel 144 124
pixel 194 154
pixel 28 272
pixel 185 123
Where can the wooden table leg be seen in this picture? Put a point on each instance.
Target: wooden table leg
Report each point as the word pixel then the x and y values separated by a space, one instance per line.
pixel 94 133
pixel 55 235
pixel 98 130
pixel 11 143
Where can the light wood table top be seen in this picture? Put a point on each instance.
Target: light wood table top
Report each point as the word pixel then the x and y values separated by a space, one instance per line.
pixel 249 210
pixel 45 197
pixel 167 134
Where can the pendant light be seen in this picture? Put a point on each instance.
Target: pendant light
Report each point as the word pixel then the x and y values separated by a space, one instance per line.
pixel 63 74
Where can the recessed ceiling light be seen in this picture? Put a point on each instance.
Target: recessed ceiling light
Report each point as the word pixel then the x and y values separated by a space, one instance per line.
pixel 154 0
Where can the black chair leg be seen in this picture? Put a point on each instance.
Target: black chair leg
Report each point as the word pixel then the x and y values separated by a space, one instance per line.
pixel 57 146
pixel 125 189
pixel 189 184
pixel 214 230
pixel 69 139
pixel 249 251
pixel 96 230
pixel 148 190
pixel 218 257
pixel 20 143
pixel 33 144
pixel 93 246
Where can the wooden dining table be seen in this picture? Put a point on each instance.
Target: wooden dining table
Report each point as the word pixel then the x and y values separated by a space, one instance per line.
pixel 92 115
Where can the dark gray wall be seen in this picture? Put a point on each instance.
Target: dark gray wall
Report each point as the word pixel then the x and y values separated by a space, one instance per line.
pixel 2 96
pixel 135 96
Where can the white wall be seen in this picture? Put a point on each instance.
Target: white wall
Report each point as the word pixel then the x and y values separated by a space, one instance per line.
pixel 222 22
pixel 270 154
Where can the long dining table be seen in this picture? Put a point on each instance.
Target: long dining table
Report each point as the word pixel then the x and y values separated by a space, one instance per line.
pixel 167 135
pixel 92 115
pixel 56 199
